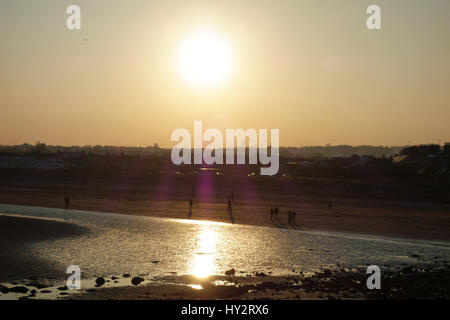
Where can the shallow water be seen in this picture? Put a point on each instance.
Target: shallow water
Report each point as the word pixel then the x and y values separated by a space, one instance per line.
pixel 115 244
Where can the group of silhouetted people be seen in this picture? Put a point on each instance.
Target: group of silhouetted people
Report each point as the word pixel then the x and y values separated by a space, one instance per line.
pixel 230 203
pixel 291 215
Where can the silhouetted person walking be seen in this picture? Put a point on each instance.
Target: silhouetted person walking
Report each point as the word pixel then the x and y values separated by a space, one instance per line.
pixel 66 202
pixel 230 210
pixel 190 207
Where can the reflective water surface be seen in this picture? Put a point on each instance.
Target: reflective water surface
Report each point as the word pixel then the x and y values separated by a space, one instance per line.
pixel 115 244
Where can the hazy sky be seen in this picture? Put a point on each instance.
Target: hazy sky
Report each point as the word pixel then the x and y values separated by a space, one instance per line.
pixel 309 68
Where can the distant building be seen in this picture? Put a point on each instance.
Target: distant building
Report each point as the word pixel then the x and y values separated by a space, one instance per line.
pixel 17 161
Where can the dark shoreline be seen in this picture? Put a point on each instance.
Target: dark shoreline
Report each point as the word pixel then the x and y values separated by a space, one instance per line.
pixel 407 283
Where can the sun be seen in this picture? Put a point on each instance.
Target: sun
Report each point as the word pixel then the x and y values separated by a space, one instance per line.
pixel 204 59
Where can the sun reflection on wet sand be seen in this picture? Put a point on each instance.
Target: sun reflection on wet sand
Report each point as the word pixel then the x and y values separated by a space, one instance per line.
pixel 203 263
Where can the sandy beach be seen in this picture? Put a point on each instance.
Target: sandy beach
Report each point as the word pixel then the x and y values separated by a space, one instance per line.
pixel 377 214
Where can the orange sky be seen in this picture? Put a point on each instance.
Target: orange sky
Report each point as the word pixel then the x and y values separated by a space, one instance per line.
pixel 309 68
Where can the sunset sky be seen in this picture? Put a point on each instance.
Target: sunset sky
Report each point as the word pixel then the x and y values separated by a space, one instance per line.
pixel 309 68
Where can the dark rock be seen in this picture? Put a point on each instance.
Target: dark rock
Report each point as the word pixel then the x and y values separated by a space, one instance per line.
pixel 408 269
pixel 155 261
pixel 260 274
pixel 45 291
pixel 230 272
pixel 345 295
pixel 99 282
pixel 19 289
pixel 136 281
pixel 114 278
pixel 63 293
pixel 327 272
pixel 4 289
pixel 414 256
pixel 126 275
pixel 33 291
pixel 63 288
pixel 37 285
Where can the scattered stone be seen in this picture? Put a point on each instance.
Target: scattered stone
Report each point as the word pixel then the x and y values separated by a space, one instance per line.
pixel 45 291
pixel 126 275
pixel 408 269
pixel 230 272
pixel 99 282
pixel 33 291
pixel 155 261
pixel 37 285
pixel 4 289
pixel 345 295
pixel 19 289
pixel 260 274
pixel 114 278
pixel 136 281
pixel 327 272
pixel 63 288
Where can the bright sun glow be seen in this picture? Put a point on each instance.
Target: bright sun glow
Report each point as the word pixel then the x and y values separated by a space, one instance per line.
pixel 205 59
pixel 203 264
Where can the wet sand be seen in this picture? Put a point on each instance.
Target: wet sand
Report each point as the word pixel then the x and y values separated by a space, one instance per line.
pixel 423 279
pixel 20 229
pixel 394 218
pixel 17 233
